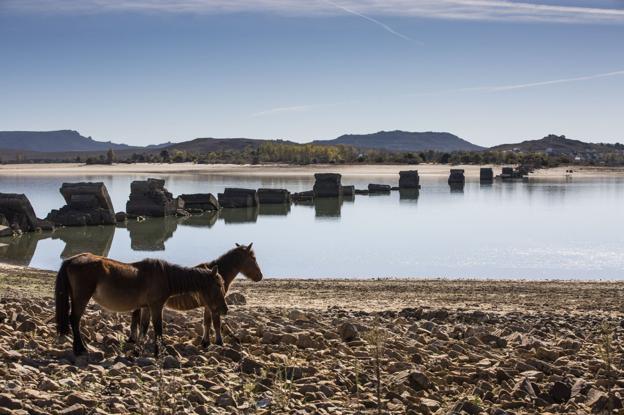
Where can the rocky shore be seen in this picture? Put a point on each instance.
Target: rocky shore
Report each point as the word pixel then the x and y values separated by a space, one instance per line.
pixel 329 347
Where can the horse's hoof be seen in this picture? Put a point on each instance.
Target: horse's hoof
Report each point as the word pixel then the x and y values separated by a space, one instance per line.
pixel 219 342
pixel 205 343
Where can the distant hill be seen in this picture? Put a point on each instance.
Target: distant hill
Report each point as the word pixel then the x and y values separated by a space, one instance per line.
pixel 54 141
pixel 207 145
pixel 404 141
pixel 555 144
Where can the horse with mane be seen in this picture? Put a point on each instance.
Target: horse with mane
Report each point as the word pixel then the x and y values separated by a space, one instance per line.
pixel 240 259
pixel 123 287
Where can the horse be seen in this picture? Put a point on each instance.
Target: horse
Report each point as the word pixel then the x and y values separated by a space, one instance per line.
pixel 123 287
pixel 240 259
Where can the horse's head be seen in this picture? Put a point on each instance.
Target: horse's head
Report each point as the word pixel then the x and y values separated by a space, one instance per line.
pixel 216 293
pixel 249 265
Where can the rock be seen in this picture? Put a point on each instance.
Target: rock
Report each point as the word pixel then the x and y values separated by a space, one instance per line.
pixel 273 196
pixel 225 400
pixel 145 361
pixel 150 198
pixel 307 196
pixel 231 354
pixel 348 332
pixel 523 388
pixel 49 385
pixel 27 326
pixel 348 191
pixel 250 366
pixel 560 392
pixel 87 204
pixel 235 298
pixel 200 201
pixel 5 231
pixel 76 409
pixel 121 217
pixel 199 398
pixel 8 401
pixel 238 198
pixel 327 185
pixel 296 314
pixel 409 179
pixel 171 362
pixel 78 398
pixel 419 381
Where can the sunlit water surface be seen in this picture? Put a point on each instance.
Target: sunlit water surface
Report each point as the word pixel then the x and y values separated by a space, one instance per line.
pixel 567 229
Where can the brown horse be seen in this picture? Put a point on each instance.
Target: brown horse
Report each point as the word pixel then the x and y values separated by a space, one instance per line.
pixel 122 287
pixel 240 259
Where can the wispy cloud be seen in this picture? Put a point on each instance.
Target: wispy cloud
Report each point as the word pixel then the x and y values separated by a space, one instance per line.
pixel 370 19
pixel 505 10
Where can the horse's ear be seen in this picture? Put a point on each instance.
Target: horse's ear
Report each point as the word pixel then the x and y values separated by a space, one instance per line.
pixel 249 246
pixel 214 270
pixel 237 244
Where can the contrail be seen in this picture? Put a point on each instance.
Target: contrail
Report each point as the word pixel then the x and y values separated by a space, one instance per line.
pixel 543 83
pixel 370 19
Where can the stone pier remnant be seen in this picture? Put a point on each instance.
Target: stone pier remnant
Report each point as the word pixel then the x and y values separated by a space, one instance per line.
pixel 456 178
pixel 486 175
pixel 327 185
pixel 238 198
pixel 200 202
pixel 150 198
pixel 379 188
pixel 19 214
pixel 87 204
pixel 273 196
pixel 409 179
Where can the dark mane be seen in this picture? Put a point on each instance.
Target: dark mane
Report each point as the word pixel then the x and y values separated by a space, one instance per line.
pixel 227 262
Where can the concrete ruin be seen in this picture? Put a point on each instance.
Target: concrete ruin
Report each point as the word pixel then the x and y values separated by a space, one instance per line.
pixel 150 198
pixel 456 178
pixel 273 196
pixel 409 179
pixel 348 190
pixel 486 175
pixel 327 185
pixel 19 214
pixel 379 188
pixel 200 202
pixel 238 198
pixel 87 204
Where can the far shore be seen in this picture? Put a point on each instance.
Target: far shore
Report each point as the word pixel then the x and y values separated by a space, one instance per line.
pixel 425 170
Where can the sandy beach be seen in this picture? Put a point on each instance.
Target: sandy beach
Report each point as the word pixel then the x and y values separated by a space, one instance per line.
pixel 425 170
pixel 324 347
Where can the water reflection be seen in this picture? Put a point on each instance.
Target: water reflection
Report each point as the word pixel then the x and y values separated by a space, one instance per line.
pixel 274 210
pixel 94 239
pixel 152 233
pixel 21 249
pixel 328 207
pixel 205 220
pixel 410 195
pixel 239 215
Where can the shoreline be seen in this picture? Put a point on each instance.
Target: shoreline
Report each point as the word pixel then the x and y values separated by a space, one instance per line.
pixel 438 347
pixel 432 170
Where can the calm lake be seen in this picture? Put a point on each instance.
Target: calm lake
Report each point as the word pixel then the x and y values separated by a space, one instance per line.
pixel 566 229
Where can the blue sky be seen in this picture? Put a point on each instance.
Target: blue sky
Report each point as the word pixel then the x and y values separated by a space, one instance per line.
pixel 150 71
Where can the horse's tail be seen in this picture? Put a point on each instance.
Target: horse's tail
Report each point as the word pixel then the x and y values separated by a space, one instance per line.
pixel 61 296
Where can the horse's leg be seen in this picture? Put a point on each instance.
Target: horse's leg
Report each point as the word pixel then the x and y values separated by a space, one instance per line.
pixel 134 326
pixel 216 322
pixel 207 327
pixel 145 320
pixel 77 310
pixel 156 313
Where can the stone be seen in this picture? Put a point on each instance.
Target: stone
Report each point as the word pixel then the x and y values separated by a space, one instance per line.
pixel 419 381
pixel 225 400
pixel 238 198
pixel 456 177
pixel 409 179
pixel 121 217
pixel 8 401
pixel 196 396
pixel 78 398
pixel 348 190
pixel 273 196
pixel 19 214
pixel 5 231
pixel 27 326
pixel 560 392
pixel 171 362
pixel 76 409
pixel 348 332
pixel 200 202
pixel 87 204
pixel 235 298
pixel 327 185
pixel 307 196
pixel 250 366
pixel 151 198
